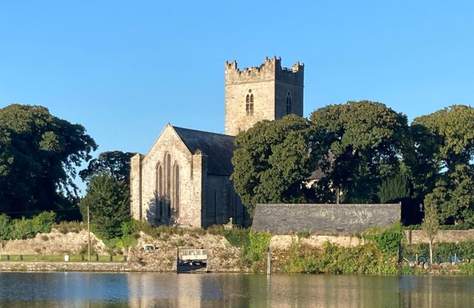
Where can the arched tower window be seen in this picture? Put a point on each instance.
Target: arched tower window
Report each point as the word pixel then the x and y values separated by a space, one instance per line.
pixel 249 103
pixel 176 190
pixel 288 103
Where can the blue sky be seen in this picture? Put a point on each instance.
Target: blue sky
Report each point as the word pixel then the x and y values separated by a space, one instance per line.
pixel 124 69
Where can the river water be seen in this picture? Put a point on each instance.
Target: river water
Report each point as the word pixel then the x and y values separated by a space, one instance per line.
pixel 231 290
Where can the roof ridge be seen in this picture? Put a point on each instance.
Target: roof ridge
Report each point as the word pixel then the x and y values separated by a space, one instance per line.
pixel 201 131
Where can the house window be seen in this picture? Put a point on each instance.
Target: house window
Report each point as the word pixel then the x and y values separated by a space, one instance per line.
pixel 249 103
pixel 288 103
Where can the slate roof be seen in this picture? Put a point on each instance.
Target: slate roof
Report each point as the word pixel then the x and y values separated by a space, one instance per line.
pixel 218 148
pixel 323 218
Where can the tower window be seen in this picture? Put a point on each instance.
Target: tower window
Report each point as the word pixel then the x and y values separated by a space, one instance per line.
pixel 288 103
pixel 249 103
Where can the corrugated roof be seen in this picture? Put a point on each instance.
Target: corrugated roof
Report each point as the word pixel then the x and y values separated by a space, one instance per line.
pixel 217 147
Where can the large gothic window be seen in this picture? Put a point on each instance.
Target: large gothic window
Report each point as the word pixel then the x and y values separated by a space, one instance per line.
pixel 167 175
pixel 288 103
pixel 159 190
pixel 176 190
pixel 166 188
pixel 249 103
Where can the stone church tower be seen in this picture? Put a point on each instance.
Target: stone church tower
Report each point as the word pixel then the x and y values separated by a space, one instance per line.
pixel 267 92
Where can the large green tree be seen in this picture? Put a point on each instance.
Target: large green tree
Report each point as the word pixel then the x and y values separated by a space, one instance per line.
pixel 113 163
pixel 273 159
pixel 365 141
pixel 444 152
pixel 39 154
pixel 108 203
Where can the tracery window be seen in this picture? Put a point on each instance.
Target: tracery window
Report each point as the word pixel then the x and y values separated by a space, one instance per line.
pixel 159 191
pixel 165 203
pixel 176 189
pixel 167 175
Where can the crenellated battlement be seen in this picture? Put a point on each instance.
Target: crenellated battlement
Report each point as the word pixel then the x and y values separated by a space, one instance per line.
pixel 269 70
pixel 265 92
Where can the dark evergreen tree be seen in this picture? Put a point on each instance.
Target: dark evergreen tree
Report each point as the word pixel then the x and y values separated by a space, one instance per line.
pixel 109 206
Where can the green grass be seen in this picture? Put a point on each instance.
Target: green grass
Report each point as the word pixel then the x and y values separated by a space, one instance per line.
pixel 60 258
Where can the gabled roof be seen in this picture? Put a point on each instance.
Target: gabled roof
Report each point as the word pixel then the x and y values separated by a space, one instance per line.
pixel 217 147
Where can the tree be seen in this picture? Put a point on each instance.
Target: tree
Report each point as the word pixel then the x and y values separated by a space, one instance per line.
pixel 113 163
pixel 39 154
pixel 273 159
pixel 108 203
pixel 394 189
pixel 444 153
pixel 430 224
pixel 365 141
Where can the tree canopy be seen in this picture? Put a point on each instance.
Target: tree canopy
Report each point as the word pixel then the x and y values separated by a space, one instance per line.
pixel 444 152
pixel 39 154
pixel 108 202
pixel 273 158
pixel 365 141
pixel 113 163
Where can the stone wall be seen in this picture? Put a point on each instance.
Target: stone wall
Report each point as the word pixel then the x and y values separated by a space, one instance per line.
pixel 136 186
pixel 323 218
pixel 68 267
pixel 147 203
pixel 221 202
pixel 443 236
pixel 284 242
pixel 281 92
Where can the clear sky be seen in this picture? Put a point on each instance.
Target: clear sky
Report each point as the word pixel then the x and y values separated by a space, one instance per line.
pixel 124 69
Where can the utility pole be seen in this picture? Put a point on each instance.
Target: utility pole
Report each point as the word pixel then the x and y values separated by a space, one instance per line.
pixel 88 235
pixel 269 261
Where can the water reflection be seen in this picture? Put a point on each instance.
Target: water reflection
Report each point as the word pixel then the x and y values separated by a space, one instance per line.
pixel 231 290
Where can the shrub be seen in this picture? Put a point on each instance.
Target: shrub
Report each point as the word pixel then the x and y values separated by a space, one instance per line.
pixel 466 268
pixel 69 226
pixel 255 249
pixel 5 227
pixel 216 230
pixel 388 240
pixel 237 237
pixel 19 229
pixel 303 234
pixel 43 222
pixel 442 252
pixel 333 259
pixel 22 229
pixel 129 227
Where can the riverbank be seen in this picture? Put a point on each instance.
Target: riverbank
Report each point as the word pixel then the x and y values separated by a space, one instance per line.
pixel 376 252
pixel 127 267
